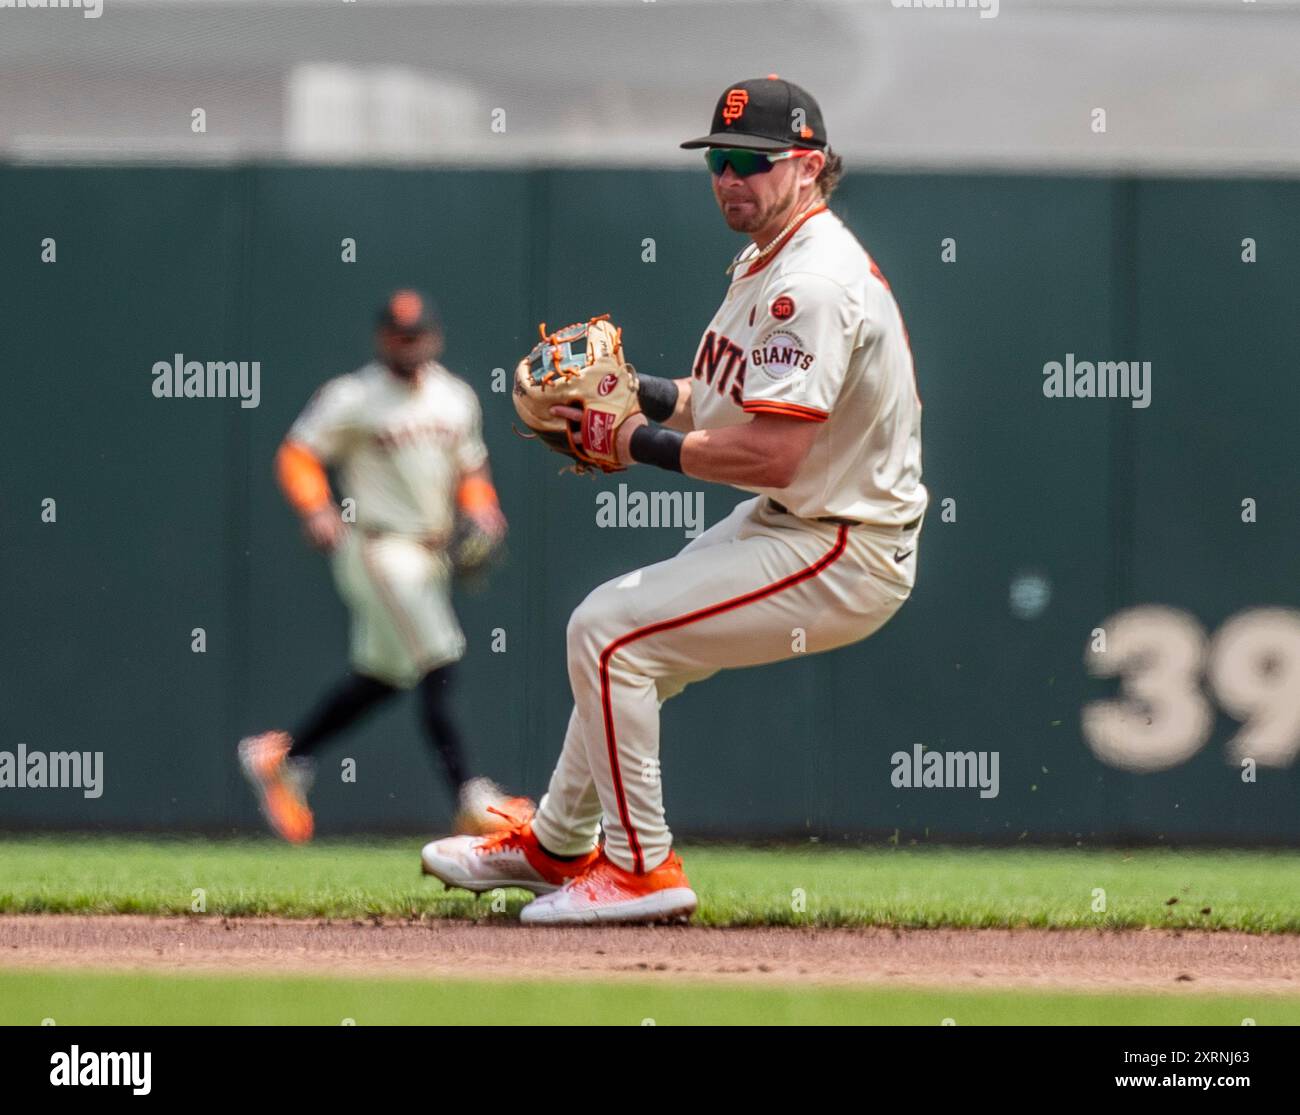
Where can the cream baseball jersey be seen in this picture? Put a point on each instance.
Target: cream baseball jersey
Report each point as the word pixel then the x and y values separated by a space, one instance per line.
pixel 813 331
pixel 401 447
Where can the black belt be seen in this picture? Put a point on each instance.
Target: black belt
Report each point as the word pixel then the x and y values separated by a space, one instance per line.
pixel 782 509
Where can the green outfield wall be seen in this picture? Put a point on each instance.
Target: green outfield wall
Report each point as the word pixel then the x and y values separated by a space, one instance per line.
pixel 1170 527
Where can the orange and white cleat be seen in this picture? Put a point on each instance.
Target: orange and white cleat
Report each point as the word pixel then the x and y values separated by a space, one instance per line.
pixel 484 807
pixel 607 893
pixel 278 785
pixel 512 857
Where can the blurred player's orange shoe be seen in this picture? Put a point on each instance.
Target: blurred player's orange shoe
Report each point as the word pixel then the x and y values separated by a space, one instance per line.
pixel 606 892
pixel 278 787
pixel 484 807
pixel 511 858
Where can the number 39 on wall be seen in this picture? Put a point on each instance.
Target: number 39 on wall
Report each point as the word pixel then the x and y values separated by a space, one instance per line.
pixel 1162 718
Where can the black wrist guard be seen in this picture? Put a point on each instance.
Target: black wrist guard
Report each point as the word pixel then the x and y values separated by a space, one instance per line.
pixel 657 445
pixel 658 397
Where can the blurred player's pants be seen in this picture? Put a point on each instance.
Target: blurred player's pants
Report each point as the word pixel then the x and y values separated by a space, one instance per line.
pixel 399 592
pixel 760 586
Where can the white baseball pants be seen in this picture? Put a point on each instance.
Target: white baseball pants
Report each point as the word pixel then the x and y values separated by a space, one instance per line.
pixel 398 589
pixel 759 586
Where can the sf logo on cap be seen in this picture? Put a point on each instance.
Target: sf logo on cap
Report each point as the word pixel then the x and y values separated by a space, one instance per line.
pixel 735 104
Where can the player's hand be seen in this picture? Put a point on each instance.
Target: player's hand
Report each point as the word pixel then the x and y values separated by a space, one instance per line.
pixel 622 444
pixel 324 528
pixel 570 414
pixel 490 521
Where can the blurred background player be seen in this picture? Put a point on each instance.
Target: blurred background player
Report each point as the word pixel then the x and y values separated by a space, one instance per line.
pixel 404 434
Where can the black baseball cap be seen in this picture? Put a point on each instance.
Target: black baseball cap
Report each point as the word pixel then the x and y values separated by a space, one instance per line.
pixel 765 114
pixel 409 311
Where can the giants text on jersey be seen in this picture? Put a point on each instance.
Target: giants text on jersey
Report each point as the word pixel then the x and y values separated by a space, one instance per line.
pixel 812 332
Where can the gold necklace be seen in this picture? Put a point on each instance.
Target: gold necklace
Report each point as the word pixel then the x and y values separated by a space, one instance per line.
pixel 763 253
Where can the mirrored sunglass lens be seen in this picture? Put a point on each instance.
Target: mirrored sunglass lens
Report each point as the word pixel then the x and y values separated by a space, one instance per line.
pixel 742 162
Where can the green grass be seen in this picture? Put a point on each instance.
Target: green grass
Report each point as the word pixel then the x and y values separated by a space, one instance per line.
pixel 80 999
pixel 812 885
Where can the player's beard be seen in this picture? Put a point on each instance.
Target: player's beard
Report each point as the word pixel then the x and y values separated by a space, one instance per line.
pixel 405 361
pixel 774 214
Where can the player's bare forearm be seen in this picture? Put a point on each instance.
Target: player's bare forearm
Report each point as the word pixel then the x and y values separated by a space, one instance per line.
pixel 681 416
pixel 763 453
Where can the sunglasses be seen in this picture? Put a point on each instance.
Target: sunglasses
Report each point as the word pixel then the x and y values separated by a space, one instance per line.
pixel 745 162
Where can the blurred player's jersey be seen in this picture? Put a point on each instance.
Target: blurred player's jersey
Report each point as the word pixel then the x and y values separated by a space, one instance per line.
pixel 401 448
pixel 812 331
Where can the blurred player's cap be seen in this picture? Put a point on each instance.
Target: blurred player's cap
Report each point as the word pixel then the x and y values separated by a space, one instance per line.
pixel 409 311
pixel 765 114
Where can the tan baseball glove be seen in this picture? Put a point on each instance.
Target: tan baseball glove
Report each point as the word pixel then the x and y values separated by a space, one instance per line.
pixel 580 366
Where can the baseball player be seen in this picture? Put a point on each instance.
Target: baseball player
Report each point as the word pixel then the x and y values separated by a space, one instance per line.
pixel 405 435
pixel 802 392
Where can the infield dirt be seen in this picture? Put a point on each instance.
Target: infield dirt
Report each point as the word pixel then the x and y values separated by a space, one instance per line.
pixel 985 958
